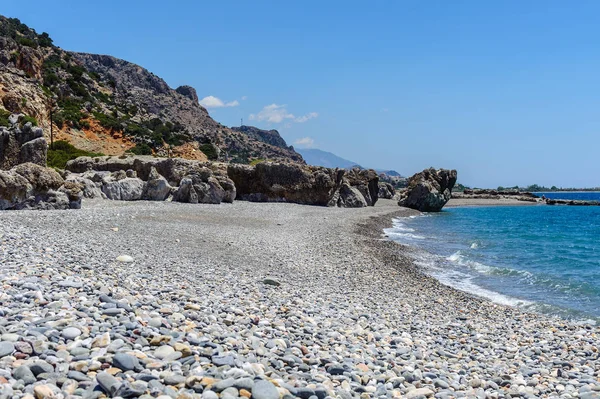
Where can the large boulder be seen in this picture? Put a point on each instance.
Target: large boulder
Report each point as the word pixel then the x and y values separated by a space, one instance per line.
pixel 127 189
pixel 31 186
pixel 21 144
pixel 202 186
pixel 429 190
pixel 157 187
pixel 386 190
pixel 304 184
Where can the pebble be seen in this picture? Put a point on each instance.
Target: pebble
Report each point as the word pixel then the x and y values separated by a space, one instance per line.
pixel 200 321
pixel 71 333
pixel 6 348
pixel 264 390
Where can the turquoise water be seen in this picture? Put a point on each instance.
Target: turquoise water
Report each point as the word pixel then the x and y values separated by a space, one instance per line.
pixel 544 258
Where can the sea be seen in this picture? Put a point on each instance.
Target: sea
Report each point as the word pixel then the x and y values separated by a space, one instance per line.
pixel 542 258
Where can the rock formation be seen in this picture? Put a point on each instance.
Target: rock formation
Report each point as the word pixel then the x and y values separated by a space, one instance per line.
pixel 156 179
pixel 429 190
pixel 302 184
pixel 21 142
pixel 386 190
pixel 31 186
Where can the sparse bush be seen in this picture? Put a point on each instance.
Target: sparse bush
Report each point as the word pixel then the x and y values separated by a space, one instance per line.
pixel 25 41
pixel 62 152
pixel 4 118
pixel 31 119
pixel 141 149
pixel 209 150
pixel 108 121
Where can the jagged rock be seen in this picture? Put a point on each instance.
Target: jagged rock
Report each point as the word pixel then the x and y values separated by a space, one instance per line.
pixel 188 91
pixel 34 151
pixel 30 186
pixel 21 144
pixel 366 181
pixel 127 189
pixel 194 181
pixel 172 169
pixel 157 188
pixel 303 184
pixel 350 197
pixel 201 186
pixel 266 136
pixel 89 188
pixel 429 190
pixel 386 190
pixel 186 192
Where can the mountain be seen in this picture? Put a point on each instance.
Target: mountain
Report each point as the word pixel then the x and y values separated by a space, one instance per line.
pixel 104 104
pixel 317 157
pixel 388 172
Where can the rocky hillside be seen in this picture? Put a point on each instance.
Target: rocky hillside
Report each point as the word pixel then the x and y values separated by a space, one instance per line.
pixel 107 105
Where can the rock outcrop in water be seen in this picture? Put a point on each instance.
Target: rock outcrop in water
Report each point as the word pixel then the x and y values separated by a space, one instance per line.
pixel 157 179
pixel 429 190
pixel 310 185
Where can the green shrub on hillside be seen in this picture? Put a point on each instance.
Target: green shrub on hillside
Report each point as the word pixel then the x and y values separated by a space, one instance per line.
pixel 209 150
pixel 141 149
pixel 108 121
pixel 25 41
pixel 31 119
pixel 4 118
pixel 70 113
pixel 62 152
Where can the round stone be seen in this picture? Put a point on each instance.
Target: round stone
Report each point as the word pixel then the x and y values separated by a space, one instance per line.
pixel 264 390
pixel 71 333
pixel 6 348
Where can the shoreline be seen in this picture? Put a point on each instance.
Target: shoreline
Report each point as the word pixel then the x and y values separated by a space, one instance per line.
pixel 221 299
pixel 461 202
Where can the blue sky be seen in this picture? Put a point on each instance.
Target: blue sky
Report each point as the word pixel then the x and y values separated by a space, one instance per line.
pixel 506 92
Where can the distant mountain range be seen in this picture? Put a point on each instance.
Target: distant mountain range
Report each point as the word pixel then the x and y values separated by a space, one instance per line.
pixel 314 156
pixel 317 157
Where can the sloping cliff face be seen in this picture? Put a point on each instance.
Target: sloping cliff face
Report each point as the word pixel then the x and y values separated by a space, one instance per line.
pixel 105 104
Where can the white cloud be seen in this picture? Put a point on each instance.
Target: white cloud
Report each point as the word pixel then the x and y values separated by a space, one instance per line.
pixel 305 142
pixel 215 102
pixel 244 98
pixel 278 113
pixel 310 115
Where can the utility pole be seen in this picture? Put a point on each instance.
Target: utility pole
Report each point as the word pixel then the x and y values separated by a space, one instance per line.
pixel 241 122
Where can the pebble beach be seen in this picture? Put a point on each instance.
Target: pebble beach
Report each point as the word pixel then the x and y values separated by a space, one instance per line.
pixel 258 300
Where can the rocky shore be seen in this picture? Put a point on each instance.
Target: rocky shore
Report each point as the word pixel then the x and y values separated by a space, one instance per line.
pixel 268 301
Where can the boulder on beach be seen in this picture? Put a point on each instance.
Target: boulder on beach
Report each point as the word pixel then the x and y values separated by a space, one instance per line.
pixel 131 178
pixel 386 190
pixel 429 190
pixel 31 186
pixel 304 184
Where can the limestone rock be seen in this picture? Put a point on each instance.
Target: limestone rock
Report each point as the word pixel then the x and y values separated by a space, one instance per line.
pixel 127 189
pixel 386 190
pixel 303 184
pixel 21 144
pixel 429 190
pixel 30 186
pixel 157 188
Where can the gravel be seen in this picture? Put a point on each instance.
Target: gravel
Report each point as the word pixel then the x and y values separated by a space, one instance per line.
pixel 257 300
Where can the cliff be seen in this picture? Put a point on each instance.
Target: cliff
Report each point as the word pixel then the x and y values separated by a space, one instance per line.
pixel 108 105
